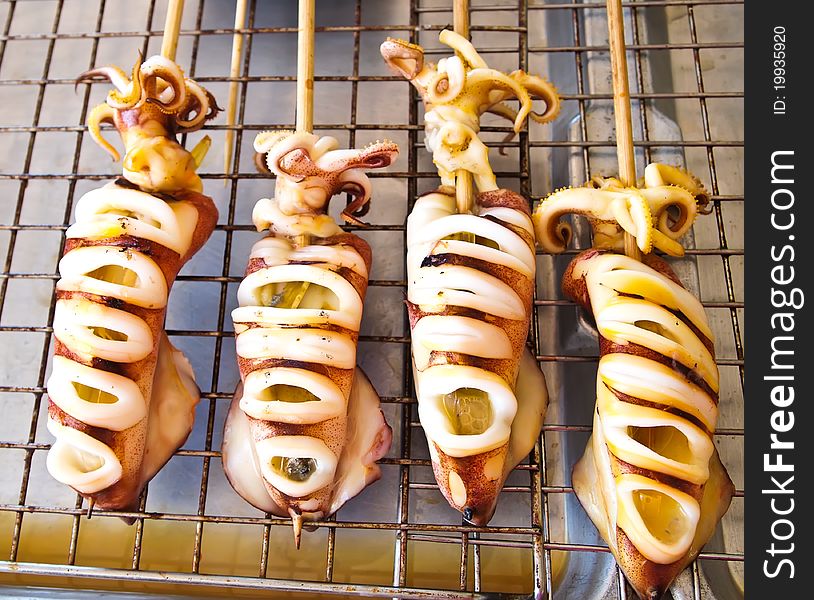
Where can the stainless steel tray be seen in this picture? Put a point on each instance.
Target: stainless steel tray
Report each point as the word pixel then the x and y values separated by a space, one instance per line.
pixel 193 535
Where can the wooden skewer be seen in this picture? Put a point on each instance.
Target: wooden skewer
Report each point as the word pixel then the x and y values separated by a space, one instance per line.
pixel 305 104
pixel 296 521
pixel 172 27
pixel 305 66
pixel 464 186
pixel 234 71
pixel 460 17
pixel 621 108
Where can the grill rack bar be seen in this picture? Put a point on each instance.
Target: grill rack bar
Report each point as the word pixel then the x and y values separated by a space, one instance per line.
pixel 537 536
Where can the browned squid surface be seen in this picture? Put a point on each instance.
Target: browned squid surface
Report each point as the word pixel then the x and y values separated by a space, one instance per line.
pixel 121 398
pixel 470 270
pixel 650 479
pixel 297 330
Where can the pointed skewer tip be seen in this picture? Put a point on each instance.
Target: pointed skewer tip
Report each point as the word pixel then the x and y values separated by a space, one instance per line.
pixel 296 523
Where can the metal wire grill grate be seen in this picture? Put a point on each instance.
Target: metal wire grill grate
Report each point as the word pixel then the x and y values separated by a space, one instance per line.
pixel 43 531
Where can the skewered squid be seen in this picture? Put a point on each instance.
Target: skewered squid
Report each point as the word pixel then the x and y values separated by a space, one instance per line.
pixel 651 479
pixel 456 93
pixel 481 396
pixel 656 214
pixel 121 398
pixel 305 428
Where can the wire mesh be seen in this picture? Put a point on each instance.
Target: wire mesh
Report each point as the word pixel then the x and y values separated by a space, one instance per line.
pixel 425 555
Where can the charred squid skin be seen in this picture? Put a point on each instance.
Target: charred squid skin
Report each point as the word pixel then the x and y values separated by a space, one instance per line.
pixel 649 568
pixel 121 398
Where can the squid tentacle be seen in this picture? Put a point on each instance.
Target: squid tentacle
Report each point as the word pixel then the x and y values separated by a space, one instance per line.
pixel 448 83
pixel 663 198
pixel 507 112
pixel 133 92
pixel 656 174
pixel 626 208
pixel 656 214
pixel 112 74
pixel 463 47
pixel 160 68
pixel 457 92
pixel 503 110
pixel 277 146
pixel 198 100
pixel 102 113
pixel 149 109
pixel 357 185
pixel 538 87
pixel 311 170
pixel 157 82
pixel 508 87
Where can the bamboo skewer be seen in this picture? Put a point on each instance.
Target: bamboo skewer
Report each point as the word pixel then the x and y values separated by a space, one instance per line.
pixel 169 42
pixel 234 71
pixel 305 66
pixel 621 108
pixel 464 186
pixel 172 27
pixel 460 17
pixel 305 89
pixel 169 47
pixel 304 122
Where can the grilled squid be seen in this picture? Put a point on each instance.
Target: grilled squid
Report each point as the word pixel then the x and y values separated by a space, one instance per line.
pixel 121 398
pixel 481 396
pixel 469 299
pixel 305 429
pixel 651 479
pixel 656 214
pixel 456 93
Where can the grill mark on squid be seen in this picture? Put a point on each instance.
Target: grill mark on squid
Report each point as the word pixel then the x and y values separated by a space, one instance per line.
pixel 692 489
pixel 106 436
pixel 668 409
pixel 358 282
pixel 708 344
pixel 608 347
pixel 505 274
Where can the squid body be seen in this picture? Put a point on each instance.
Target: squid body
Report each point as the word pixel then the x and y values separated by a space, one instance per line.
pixel 121 398
pixel 305 429
pixel 651 479
pixel 481 396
